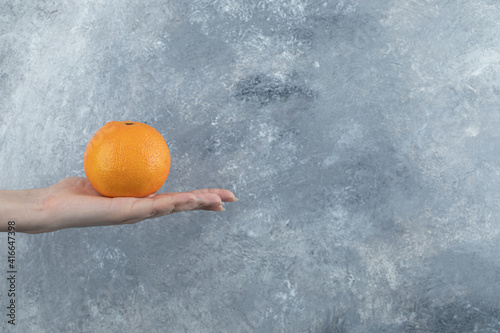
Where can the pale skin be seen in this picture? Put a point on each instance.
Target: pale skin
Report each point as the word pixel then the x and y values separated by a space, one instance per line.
pixel 73 203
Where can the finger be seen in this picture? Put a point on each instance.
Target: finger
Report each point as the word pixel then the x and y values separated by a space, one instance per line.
pixel 214 208
pixel 168 203
pixel 164 204
pixel 203 200
pixel 225 195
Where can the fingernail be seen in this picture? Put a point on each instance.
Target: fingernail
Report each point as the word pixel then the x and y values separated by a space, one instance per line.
pixel 236 199
pixel 222 209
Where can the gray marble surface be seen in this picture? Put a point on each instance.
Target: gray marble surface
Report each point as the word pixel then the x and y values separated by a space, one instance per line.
pixel 361 137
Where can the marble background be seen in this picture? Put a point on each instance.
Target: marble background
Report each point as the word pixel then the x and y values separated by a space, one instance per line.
pixel 361 137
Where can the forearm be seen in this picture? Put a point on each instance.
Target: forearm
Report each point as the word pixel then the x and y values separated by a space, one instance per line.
pixel 23 206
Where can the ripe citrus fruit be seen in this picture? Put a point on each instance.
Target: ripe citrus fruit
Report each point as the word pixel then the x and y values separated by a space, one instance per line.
pixel 126 159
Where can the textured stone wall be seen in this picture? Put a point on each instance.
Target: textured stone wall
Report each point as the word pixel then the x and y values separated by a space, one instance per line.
pixel 361 137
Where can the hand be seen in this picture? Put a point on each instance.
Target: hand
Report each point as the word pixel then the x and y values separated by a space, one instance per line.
pixel 73 203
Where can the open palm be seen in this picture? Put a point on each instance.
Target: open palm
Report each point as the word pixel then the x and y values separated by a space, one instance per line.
pixel 73 203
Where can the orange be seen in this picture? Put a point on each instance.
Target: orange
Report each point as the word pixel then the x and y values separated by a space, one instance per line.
pixel 126 159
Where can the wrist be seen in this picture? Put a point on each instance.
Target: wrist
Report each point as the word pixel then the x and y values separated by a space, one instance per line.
pixel 25 207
